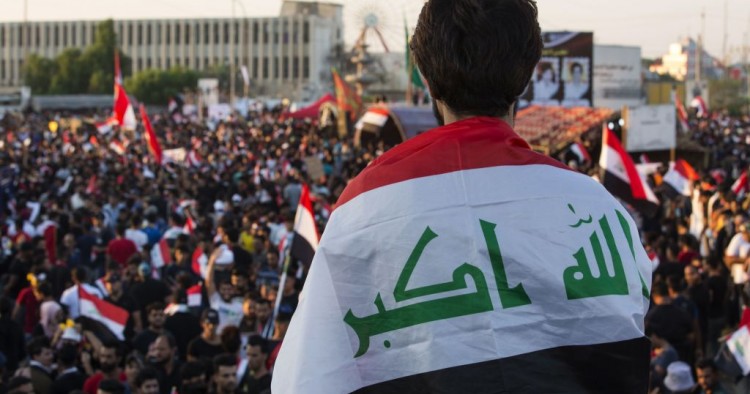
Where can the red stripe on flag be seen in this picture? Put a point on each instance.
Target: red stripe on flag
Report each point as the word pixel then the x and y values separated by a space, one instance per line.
pixel 153 143
pixel 106 310
pixel 165 253
pixel 686 170
pixel 473 143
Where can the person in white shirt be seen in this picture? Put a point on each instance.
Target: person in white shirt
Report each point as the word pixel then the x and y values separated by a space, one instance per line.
pixel 223 301
pixel 176 227
pixel 69 297
pixel 135 234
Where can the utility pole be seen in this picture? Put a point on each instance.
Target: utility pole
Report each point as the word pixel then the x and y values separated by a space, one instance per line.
pixel 724 53
pixel 699 48
pixel 232 56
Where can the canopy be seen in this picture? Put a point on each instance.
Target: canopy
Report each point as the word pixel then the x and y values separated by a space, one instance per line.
pixel 313 110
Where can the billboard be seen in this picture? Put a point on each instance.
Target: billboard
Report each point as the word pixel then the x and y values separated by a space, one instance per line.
pixel 564 74
pixel 617 76
pixel 650 128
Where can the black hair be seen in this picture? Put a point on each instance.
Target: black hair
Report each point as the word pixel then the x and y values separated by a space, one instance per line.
pixel 145 375
pixel 542 67
pixel 192 369
pixel 575 65
pixel 233 234
pixel 704 363
pixel 158 305
pixel 257 340
pixel 112 386
pixel 80 274
pixel 67 355
pixel 36 345
pixel 16 382
pixel 224 360
pixel 477 55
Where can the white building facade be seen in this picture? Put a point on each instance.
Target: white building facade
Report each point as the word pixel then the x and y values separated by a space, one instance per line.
pixel 285 55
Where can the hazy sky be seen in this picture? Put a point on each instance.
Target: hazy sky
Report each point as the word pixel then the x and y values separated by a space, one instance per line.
pixel 651 24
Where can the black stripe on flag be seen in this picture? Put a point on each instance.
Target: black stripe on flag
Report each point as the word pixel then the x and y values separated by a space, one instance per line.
pixel 623 191
pixel 617 367
pixel 301 250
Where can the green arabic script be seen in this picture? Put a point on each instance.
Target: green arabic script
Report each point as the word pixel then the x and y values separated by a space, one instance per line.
pixel 438 309
pixel 580 281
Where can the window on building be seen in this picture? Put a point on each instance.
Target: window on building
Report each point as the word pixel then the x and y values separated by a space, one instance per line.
pixel 187 34
pixel 295 32
pixel 93 31
pixel 236 33
pixel 21 33
pixel 265 32
pixel 255 68
pixel 216 33
pixel 169 63
pixel 206 61
pixel 295 67
pixel 37 30
pixel 2 69
pixel 73 38
pixel 245 32
pixel 158 34
pixel 265 68
pixel 306 32
pixel 85 40
pixel 2 34
pixel 177 35
pixel 285 31
pixel 275 32
pixel 226 32
pixel 256 27
pixel 168 34
pixel 276 67
pixel 47 41
pixel 285 68
pixel 205 34
pixel 65 36
pixel 148 63
pixel 140 64
pixel 148 35
pixel 306 67
pixel 130 34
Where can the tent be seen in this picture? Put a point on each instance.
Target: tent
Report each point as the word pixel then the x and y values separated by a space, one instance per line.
pixel 392 124
pixel 313 110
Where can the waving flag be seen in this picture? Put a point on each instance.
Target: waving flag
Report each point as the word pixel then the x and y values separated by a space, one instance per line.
pixel 580 151
pixel 153 143
pixel 123 109
pixel 681 176
pixel 111 316
pixel 740 186
pixel 160 254
pixel 472 273
pixel 347 98
pixel 305 240
pixel 682 115
pixel 621 177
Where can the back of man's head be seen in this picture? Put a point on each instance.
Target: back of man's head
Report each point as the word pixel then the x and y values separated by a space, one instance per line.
pixel 111 386
pixel 477 55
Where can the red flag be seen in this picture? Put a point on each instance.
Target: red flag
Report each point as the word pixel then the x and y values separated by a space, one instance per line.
pixel 124 114
pixel 682 115
pixel 740 186
pixel 196 260
pixel 153 142
pixel 189 225
pixel 195 295
pixel 348 100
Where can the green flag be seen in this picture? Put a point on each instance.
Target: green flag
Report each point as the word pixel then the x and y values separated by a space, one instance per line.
pixel 411 69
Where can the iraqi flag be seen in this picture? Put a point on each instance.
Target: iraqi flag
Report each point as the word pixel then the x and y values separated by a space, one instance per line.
pixel 740 186
pixel 111 316
pixel 195 295
pixel 581 153
pixel 681 176
pixel 478 272
pixel 117 147
pixel 305 240
pixel 124 114
pixel 682 115
pixel 621 177
pixel 153 143
pixel 160 254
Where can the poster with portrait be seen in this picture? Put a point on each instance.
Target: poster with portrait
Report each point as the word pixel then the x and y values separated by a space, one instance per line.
pixel 564 73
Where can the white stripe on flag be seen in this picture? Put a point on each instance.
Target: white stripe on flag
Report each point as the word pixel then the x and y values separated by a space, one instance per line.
pixel 89 309
pixel 375 118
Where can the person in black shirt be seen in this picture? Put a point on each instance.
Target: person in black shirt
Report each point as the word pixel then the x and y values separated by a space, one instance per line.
pixel 162 354
pixel 155 314
pixel 11 336
pixel 181 323
pixel 181 266
pixel 70 378
pixel 208 344
pixel 255 377
pixel 147 290
pixel 717 284
pixel 242 258
pixel 673 322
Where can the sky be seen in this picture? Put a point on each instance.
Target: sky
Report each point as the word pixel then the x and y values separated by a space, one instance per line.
pixel 650 24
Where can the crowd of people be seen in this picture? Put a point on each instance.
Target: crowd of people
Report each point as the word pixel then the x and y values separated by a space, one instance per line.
pixel 193 249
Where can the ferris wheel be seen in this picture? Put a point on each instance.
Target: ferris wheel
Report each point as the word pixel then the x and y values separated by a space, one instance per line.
pixel 380 24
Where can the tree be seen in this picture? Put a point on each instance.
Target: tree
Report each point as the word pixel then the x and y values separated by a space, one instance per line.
pixel 726 94
pixel 99 59
pixel 38 72
pixel 71 77
pixel 157 86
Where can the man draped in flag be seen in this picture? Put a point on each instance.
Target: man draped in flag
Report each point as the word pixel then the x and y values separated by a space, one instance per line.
pixel 461 261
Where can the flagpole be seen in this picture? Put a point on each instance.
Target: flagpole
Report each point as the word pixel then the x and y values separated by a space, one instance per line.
pixel 280 292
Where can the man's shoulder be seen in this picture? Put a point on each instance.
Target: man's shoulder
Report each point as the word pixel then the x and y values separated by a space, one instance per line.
pixel 469 144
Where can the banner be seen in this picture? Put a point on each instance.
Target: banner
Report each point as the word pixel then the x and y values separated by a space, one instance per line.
pixel 564 73
pixel 650 128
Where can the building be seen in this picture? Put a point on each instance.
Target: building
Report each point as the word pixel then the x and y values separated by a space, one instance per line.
pixel 681 60
pixel 286 56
